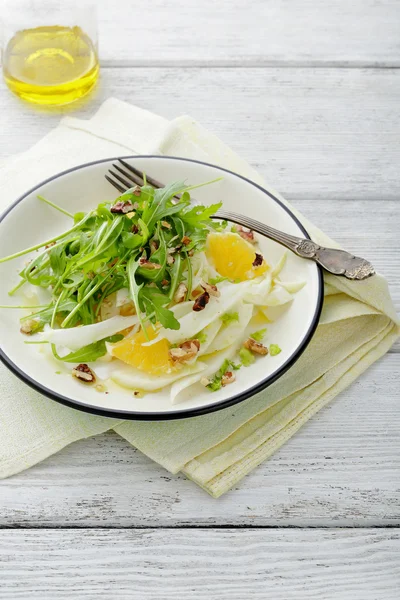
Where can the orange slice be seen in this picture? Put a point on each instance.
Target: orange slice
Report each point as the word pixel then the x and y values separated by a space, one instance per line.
pixel 233 257
pixel 152 359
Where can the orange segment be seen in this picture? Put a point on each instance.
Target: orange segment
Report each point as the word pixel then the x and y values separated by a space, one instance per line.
pixel 151 359
pixel 232 256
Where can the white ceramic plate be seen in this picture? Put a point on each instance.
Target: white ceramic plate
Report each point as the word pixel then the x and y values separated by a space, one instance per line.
pixel 29 221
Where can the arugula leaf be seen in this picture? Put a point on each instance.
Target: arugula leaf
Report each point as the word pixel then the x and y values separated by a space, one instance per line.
pixel 46 314
pixel 154 301
pixel 134 288
pixel 196 216
pixel 259 335
pixel 89 353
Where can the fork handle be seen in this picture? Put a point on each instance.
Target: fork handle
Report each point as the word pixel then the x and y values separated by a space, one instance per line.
pixel 337 262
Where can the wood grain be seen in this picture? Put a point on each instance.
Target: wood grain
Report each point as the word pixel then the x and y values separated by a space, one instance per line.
pixel 200 565
pixel 231 32
pixel 341 469
pixel 324 134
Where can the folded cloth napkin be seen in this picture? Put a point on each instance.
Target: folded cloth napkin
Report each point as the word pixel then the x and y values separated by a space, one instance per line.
pixel 358 325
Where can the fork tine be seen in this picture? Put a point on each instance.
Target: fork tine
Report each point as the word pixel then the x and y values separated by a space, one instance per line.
pixel 151 180
pixel 115 184
pixel 124 182
pixel 135 179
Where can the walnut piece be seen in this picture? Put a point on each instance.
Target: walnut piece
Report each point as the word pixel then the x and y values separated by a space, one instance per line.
pixel 186 240
pixel 122 208
pixel 186 351
pixel 154 245
pixel 255 347
pixel 201 302
pixel 210 289
pixel 147 264
pixel 180 293
pixel 258 261
pixel 29 327
pixel 84 373
pixel 246 234
pixel 228 377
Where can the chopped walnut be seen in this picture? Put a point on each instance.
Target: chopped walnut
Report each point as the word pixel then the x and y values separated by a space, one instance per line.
pixel 170 260
pixel 136 191
pixel 165 283
pixel 180 293
pixel 122 208
pixel 166 224
pixel 211 289
pixel 255 347
pixel 84 373
pixel 228 377
pixel 29 327
pixel 154 245
pixel 246 234
pixel 186 351
pixel 201 302
pixel 258 261
pixel 186 240
pixel 147 264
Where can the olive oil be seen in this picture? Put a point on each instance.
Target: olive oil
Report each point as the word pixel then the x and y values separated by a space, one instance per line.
pixel 50 65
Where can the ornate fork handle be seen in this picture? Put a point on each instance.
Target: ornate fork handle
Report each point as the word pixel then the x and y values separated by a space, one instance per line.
pixel 337 262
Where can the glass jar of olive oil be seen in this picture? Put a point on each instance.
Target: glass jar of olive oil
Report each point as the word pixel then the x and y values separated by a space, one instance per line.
pixel 49 50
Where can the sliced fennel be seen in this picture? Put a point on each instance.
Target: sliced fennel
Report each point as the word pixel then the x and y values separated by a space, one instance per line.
pixel 138 380
pixel 211 365
pixel 77 337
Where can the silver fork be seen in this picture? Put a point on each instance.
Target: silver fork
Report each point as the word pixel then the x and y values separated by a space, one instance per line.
pixel 337 262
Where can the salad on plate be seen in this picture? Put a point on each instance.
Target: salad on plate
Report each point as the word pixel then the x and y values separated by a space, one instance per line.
pixel 151 292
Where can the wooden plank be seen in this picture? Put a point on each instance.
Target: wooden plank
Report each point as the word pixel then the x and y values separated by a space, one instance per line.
pixel 341 469
pixel 230 32
pixel 200 564
pixel 312 133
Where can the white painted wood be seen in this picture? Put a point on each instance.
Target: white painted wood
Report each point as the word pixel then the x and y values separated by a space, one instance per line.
pixel 263 32
pixel 312 133
pixel 200 564
pixel 341 469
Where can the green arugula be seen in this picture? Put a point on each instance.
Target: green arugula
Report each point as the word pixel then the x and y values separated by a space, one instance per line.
pixel 89 353
pixel 100 254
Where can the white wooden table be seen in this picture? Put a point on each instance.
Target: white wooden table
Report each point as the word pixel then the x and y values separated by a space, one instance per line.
pixel 309 93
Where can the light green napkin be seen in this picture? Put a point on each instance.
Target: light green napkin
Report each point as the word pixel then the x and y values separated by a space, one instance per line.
pixel 358 325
